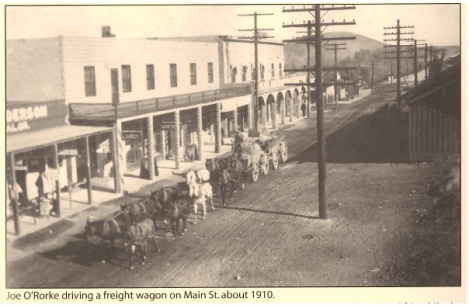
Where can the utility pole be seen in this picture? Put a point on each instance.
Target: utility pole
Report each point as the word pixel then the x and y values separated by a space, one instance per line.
pixel 416 56
pixel 317 40
pixel 415 64
pixel 426 62
pixel 335 49
pixel 398 51
pixel 256 39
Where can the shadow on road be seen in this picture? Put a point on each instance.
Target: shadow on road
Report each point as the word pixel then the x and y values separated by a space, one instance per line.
pixel 269 212
pixel 380 137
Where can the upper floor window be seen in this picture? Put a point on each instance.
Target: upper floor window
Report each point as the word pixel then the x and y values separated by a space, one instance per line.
pixel 126 79
pixel 262 71
pixel 210 72
pixel 273 70
pixel 150 77
pixel 280 70
pixel 234 71
pixel 253 70
pixel 173 75
pixel 90 82
pixel 245 71
pixel 193 74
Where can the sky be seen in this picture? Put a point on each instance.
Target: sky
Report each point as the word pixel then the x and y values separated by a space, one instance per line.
pixel 437 24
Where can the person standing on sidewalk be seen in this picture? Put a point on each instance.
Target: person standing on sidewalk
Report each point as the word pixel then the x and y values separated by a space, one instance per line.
pixel 303 109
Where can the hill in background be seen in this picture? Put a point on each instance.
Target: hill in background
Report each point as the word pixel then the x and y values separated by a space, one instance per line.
pixel 295 54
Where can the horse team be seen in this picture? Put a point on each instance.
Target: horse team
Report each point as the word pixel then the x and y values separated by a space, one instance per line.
pixel 136 222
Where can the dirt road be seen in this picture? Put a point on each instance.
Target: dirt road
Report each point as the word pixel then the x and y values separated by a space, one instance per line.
pixel 270 234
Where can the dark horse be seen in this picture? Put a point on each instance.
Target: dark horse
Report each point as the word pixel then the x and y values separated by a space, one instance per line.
pixel 137 235
pixel 173 209
pixel 216 167
pixel 109 229
pixel 231 179
pixel 177 212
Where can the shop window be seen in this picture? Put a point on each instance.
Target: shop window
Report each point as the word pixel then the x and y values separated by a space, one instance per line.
pixel 193 74
pixel 90 82
pixel 173 75
pixel 126 79
pixel 210 72
pixel 150 77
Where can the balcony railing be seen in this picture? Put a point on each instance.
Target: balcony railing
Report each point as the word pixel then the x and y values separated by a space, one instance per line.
pixel 107 111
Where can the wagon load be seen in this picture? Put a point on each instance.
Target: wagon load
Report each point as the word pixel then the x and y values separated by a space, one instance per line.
pixel 256 152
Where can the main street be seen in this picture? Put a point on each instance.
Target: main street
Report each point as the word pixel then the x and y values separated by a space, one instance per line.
pixel 268 235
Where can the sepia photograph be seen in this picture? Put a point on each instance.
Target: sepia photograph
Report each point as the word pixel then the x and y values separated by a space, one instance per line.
pixel 234 152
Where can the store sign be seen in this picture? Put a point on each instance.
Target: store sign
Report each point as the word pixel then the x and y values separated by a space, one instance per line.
pixel 22 117
pixel 18 118
pixel 131 135
pixel 168 125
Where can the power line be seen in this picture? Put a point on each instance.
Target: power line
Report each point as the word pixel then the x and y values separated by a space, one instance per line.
pixel 316 41
pixel 256 38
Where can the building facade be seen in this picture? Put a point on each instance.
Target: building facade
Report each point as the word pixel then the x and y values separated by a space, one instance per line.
pixel 161 99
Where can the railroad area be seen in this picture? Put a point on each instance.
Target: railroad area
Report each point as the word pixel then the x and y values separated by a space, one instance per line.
pixel 384 226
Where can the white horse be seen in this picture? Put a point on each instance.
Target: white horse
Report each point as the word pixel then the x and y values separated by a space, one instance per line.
pixel 191 179
pixel 204 193
pixel 194 179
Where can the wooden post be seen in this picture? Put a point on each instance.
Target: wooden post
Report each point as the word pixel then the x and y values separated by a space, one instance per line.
pixel 308 67
pixel 282 111
pixel 177 131
pixel 217 128
pixel 151 144
pixel 88 171
pixel 320 117
pixel 250 117
pixel 14 200
pixel 235 119
pixel 115 162
pixel 164 149
pixel 264 115
pixel 291 108
pixel 200 133
pixel 274 114
pixel 57 182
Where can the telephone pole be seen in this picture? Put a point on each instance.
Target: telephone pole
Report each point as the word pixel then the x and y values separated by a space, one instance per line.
pixel 398 51
pixel 256 39
pixel 317 40
pixel 335 49
pixel 416 56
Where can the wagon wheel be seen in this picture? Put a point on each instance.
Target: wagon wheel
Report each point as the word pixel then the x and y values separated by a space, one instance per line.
pixel 284 154
pixel 274 160
pixel 255 172
pixel 265 165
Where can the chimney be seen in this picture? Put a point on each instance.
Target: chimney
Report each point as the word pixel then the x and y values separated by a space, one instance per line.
pixel 106 31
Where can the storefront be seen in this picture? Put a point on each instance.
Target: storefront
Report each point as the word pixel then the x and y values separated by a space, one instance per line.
pixel 45 155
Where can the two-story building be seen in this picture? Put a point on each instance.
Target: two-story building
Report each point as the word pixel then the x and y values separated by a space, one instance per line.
pixel 142 100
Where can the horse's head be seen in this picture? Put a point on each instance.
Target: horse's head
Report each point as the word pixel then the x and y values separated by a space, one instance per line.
pixel 191 177
pixel 209 164
pixel 93 229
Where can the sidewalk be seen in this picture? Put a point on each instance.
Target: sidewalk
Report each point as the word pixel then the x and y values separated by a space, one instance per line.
pixel 104 200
